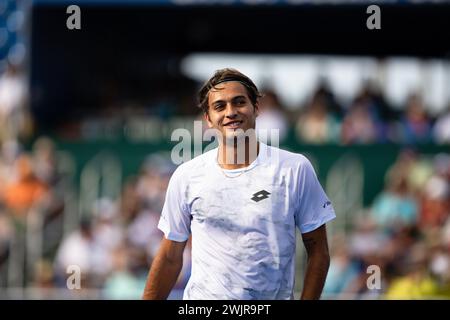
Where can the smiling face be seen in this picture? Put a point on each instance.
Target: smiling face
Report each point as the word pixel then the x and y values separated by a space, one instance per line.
pixel 230 109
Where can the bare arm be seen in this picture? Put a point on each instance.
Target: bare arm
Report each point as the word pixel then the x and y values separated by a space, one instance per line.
pixel 317 264
pixel 165 270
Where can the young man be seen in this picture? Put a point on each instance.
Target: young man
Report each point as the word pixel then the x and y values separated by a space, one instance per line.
pixel 242 214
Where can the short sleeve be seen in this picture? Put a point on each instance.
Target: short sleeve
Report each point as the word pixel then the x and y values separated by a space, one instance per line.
pixel 175 221
pixel 314 208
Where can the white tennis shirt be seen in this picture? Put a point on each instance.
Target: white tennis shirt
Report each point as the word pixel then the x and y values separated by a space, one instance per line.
pixel 243 222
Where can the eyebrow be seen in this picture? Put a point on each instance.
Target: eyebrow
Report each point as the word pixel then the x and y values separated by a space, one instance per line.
pixel 232 99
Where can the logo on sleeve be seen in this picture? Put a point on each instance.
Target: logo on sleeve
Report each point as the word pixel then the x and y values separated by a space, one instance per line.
pixel 260 195
pixel 326 204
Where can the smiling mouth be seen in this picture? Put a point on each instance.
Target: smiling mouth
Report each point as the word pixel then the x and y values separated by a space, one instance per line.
pixel 233 124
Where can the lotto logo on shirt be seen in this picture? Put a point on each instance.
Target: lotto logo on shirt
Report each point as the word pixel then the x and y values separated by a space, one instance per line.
pixel 260 195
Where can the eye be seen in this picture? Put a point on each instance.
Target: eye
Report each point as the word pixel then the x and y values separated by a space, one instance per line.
pixel 218 107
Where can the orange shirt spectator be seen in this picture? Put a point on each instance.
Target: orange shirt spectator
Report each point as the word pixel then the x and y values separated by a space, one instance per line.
pixel 21 195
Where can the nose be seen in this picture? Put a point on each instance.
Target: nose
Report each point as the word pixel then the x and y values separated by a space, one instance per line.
pixel 230 111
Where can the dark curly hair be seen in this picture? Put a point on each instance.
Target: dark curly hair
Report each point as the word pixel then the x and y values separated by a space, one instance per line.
pixel 225 75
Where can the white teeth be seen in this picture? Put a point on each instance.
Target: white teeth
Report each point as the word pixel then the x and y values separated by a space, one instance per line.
pixel 233 124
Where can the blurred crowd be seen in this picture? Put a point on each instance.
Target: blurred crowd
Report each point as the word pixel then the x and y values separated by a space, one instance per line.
pixel 405 233
pixel 117 241
pixel 113 244
pixel 367 119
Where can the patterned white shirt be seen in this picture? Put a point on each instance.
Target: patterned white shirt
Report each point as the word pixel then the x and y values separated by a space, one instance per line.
pixel 243 222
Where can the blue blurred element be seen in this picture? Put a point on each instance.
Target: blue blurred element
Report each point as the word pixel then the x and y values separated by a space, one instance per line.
pixel 11 20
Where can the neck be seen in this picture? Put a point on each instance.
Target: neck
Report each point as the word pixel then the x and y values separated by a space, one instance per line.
pixel 238 153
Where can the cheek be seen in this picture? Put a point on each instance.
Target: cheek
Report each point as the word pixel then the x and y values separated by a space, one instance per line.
pixel 251 115
pixel 212 121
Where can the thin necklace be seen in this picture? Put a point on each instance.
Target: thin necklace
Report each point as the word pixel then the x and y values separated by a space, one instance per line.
pixel 248 168
pixel 234 176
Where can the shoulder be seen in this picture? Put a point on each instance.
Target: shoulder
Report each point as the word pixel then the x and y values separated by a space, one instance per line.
pixel 287 158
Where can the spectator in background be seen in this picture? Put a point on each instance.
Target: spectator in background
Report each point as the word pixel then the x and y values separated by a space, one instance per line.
pixel 435 196
pixel 122 283
pixel 416 281
pixel 26 190
pixel 395 205
pixel 143 233
pixel 344 270
pixel 153 180
pixel 76 249
pixel 44 278
pixel 418 171
pixel 414 125
pixel 44 161
pixel 439 265
pixel 129 201
pixel 48 170
pixel 90 247
pixel 317 124
pixel 324 93
pixel 380 111
pixel 366 240
pixel 10 151
pixel 366 245
pixel 360 125
pixel 441 130
pixel 271 116
pixel 378 105
pixel 107 235
pixel 13 119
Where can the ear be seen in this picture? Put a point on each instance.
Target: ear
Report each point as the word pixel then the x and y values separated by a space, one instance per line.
pixel 256 109
pixel 207 119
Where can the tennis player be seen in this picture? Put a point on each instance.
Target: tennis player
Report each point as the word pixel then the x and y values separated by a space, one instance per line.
pixel 242 203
